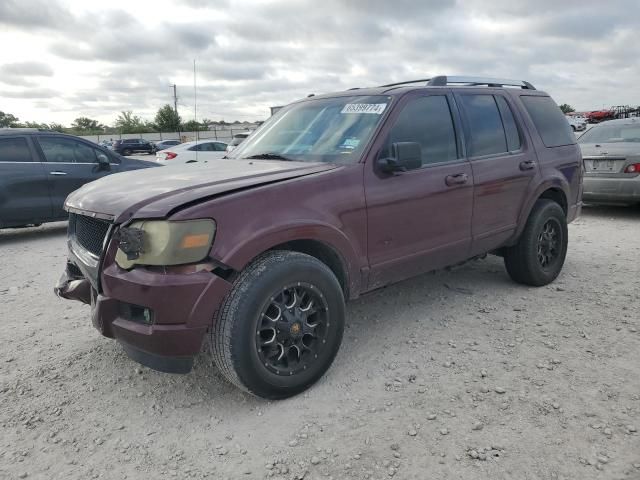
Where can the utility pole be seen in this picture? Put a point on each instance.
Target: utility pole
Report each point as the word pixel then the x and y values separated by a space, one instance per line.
pixel 175 105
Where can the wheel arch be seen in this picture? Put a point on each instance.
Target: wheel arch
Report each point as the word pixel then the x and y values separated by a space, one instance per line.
pixel 555 190
pixel 323 242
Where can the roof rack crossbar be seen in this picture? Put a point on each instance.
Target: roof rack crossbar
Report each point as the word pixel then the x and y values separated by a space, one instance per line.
pixel 444 80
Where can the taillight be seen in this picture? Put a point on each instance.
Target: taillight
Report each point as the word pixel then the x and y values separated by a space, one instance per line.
pixel 633 168
pixel 170 155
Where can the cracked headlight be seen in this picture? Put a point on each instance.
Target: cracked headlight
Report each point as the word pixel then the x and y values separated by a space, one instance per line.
pixel 163 243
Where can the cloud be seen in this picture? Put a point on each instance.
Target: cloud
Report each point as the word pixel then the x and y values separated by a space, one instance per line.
pixel 252 54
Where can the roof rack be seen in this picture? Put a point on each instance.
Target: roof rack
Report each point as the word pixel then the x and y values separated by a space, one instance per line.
pixel 444 80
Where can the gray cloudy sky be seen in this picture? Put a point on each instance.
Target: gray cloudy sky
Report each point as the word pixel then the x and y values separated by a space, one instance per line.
pixel 64 58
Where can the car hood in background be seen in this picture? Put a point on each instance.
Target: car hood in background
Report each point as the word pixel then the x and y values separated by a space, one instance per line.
pixel 153 193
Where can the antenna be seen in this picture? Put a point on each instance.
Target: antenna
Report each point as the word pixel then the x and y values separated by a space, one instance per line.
pixel 195 107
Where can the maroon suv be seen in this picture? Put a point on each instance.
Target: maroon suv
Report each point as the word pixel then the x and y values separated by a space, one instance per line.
pixel 332 197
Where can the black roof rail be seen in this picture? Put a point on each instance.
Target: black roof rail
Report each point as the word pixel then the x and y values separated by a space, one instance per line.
pixel 444 80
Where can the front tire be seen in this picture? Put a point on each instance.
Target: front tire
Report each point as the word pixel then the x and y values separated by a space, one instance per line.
pixel 126 152
pixel 539 255
pixel 280 327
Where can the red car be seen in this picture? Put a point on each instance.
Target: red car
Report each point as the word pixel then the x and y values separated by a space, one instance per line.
pixel 334 196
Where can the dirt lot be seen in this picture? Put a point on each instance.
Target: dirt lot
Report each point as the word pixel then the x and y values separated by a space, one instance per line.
pixel 456 375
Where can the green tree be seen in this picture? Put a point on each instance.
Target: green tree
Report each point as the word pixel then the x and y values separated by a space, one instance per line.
pixel 566 108
pixel 191 126
pixel 167 119
pixel 56 127
pixel 8 120
pixel 86 125
pixel 127 122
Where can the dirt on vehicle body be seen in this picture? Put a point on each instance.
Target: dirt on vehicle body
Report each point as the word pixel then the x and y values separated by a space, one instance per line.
pixel 332 197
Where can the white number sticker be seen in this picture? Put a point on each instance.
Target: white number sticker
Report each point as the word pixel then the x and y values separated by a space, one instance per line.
pixel 375 108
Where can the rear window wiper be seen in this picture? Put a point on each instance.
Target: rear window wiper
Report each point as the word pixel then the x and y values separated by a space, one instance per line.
pixel 268 156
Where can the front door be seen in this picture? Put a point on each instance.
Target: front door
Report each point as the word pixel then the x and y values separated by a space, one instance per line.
pixel 70 163
pixel 24 193
pixel 503 167
pixel 420 219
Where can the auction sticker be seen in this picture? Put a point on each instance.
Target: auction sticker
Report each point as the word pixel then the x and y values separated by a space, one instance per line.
pixel 375 108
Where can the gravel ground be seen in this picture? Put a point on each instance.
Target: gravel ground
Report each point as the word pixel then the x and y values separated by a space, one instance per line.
pixel 454 375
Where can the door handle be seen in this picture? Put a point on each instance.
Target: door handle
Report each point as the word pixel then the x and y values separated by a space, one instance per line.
pixel 457 179
pixel 527 165
pixel 56 172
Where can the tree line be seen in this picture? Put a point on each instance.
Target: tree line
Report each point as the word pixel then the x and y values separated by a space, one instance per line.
pixel 166 120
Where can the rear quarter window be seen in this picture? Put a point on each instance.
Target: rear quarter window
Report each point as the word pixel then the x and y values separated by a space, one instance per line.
pixel 549 120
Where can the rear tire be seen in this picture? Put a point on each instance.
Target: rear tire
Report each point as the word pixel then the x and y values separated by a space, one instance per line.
pixel 539 255
pixel 280 327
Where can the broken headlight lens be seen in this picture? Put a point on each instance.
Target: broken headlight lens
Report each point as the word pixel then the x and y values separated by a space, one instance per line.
pixel 162 242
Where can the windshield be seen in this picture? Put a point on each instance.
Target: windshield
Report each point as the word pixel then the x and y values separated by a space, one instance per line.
pixel 325 130
pixel 612 134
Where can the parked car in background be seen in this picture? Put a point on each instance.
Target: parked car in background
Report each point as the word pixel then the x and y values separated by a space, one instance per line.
pixel 611 155
pixel 133 145
pixel 191 152
pixel 38 169
pixel 237 139
pixel 598 116
pixel 162 144
pixel 106 144
pixel 577 123
pixel 335 196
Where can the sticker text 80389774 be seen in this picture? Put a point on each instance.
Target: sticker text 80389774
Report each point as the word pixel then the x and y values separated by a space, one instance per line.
pixel 375 108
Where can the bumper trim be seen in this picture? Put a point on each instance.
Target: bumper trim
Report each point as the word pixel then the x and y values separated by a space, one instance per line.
pixel 159 363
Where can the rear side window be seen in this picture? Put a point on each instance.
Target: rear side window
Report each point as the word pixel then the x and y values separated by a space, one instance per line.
pixel 14 150
pixel 510 128
pixel 219 147
pixel 485 124
pixel 427 121
pixel 549 121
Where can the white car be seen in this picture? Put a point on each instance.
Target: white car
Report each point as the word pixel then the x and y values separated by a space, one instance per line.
pixel 237 139
pixel 578 124
pixel 190 152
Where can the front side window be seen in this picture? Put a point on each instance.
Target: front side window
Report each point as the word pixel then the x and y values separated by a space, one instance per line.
pixel 427 121
pixel 14 150
pixel 332 130
pixel 64 150
pixel 485 125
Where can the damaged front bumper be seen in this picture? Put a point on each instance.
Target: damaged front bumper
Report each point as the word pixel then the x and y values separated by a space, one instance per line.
pixel 159 316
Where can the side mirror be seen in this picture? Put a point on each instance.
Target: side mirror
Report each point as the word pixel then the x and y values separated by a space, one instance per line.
pixel 404 156
pixel 103 162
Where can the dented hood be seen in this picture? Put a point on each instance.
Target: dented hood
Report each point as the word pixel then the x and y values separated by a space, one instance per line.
pixel 155 192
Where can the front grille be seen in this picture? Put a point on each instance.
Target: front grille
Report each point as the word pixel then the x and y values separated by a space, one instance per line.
pixel 89 232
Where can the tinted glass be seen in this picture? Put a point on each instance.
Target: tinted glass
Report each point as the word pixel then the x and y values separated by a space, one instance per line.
pixel 220 147
pixel 427 121
pixel 509 123
pixel 612 133
pixel 549 121
pixel 14 150
pixel 64 150
pixel 485 125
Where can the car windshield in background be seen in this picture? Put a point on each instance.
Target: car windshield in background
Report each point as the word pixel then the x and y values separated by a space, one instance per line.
pixel 611 134
pixel 324 130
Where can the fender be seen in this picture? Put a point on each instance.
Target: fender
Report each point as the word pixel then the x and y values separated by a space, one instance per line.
pixel 557 182
pixel 245 250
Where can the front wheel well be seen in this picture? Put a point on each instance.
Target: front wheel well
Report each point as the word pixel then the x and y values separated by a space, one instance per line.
pixel 558 196
pixel 325 254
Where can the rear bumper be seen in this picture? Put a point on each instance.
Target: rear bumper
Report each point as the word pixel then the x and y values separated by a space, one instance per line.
pixel 611 190
pixel 159 318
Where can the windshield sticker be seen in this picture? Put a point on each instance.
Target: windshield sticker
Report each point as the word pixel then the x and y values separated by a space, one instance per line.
pixel 375 108
pixel 350 143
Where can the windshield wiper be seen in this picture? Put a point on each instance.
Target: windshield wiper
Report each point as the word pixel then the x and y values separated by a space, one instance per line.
pixel 269 156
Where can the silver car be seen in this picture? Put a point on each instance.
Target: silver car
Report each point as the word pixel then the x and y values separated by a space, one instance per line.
pixel 611 155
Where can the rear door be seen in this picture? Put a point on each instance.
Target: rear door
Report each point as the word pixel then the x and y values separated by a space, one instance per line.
pixel 208 151
pixel 24 193
pixel 70 163
pixel 420 219
pixel 503 166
